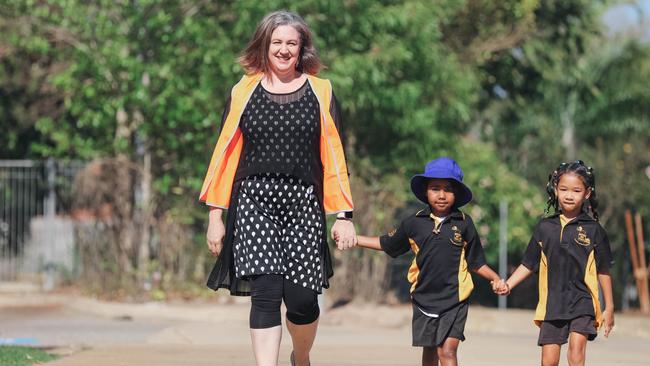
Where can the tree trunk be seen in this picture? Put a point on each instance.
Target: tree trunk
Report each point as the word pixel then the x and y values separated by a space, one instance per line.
pixel 567 116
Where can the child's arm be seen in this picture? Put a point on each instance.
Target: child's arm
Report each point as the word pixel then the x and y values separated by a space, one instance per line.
pixel 604 261
pixel 369 242
pixel 488 273
pixel 476 257
pixel 529 264
pixel 395 243
pixel 605 281
pixel 521 273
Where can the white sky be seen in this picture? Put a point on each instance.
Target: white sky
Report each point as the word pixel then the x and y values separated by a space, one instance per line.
pixel 629 18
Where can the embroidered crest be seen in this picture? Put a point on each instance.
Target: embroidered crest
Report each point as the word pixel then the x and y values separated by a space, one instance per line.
pixel 392 232
pixel 457 238
pixel 582 238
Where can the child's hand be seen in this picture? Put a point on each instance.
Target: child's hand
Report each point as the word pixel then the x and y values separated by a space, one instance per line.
pixel 608 321
pixel 495 286
pixel 505 288
pixel 500 287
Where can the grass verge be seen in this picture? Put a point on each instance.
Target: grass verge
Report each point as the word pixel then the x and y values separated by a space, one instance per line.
pixel 23 356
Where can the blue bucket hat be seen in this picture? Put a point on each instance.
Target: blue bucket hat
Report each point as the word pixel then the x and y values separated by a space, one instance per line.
pixel 442 168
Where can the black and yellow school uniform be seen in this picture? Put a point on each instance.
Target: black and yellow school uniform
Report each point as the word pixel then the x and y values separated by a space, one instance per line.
pixel 445 250
pixel 568 254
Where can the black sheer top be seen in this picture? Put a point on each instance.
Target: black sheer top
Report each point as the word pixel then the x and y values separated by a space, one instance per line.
pixel 281 134
pixel 311 172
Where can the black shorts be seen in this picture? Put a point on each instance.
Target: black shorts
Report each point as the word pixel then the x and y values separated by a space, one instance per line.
pixel 557 331
pixel 432 332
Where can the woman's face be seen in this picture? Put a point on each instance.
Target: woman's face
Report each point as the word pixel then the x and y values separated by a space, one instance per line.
pixel 284 49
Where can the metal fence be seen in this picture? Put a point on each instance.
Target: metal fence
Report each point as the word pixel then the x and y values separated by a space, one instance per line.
pixel 30 189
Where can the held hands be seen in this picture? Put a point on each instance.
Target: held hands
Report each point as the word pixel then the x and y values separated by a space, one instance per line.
pixel 500 287
pixel 344 234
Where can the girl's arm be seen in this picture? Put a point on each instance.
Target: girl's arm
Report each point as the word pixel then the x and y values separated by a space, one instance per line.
pixel 521 273
pixel 605 281
pixel 370 242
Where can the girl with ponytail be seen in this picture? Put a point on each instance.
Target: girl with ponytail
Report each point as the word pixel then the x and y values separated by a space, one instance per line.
pixel 570 251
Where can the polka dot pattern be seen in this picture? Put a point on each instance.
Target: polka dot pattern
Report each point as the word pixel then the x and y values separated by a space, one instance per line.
pixel 282 132
pixel 277 230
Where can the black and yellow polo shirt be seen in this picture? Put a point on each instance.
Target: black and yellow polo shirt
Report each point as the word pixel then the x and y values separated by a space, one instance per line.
pixel 444 251
pixel 568 256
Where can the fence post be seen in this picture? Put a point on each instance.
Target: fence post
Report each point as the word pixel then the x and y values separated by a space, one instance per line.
pixel 503 247
pixel 50 199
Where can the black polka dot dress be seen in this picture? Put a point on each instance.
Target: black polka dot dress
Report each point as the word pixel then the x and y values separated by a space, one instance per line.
pixel 277 230
pixel 279 222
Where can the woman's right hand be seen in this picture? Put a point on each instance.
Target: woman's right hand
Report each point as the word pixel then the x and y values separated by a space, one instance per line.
pixel 216 231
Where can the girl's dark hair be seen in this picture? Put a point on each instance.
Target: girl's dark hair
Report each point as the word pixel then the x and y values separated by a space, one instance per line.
pixel 586 173
pixel 254 58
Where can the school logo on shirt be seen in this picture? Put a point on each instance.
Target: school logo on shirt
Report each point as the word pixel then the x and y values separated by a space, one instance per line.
pixel 582 238
pixel 457 238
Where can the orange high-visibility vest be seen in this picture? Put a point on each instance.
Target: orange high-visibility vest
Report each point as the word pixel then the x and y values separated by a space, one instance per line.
pixel 217 186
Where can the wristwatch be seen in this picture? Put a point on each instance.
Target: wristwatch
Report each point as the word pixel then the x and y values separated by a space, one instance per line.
pixel 347 215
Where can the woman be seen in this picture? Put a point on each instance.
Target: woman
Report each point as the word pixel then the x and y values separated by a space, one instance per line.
pixel 278 167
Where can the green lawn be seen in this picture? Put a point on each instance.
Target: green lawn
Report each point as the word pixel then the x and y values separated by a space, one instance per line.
pixel 22 356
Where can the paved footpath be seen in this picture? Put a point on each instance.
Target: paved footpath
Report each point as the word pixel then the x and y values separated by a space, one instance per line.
pixel 112 334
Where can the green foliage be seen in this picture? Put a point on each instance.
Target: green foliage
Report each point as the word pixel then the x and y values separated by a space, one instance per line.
pixel 491 182
pixel 572 93
pixel 533 80
pixel 23 356
pixel 570 101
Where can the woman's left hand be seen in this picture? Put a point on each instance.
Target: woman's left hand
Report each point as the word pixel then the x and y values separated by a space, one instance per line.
pixel 344 234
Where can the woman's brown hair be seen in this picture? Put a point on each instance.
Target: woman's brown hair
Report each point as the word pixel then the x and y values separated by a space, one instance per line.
pixel 254 58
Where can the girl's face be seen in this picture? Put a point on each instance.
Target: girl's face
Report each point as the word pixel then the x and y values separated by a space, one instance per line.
pixel 284 49
pixel 441 197
pixel 571 194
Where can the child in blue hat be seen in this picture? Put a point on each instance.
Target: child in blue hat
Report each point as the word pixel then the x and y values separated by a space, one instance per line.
pixel 446 247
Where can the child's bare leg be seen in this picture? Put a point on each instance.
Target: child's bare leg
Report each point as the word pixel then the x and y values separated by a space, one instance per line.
pixel 447 353
pixel 429 356
pixel 550 355
pixel 577 349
